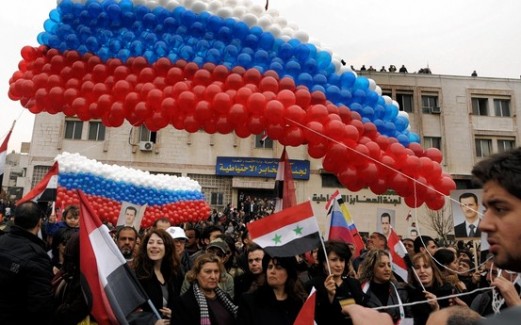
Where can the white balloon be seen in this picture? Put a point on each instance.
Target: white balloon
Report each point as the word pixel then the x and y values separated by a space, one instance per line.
pixel 265 21
pixel 140 2
pixel 395 103
pixel 231 3
pixel 285 38
pixel 275 30
pixel 273 12
pixel 214 6
pixel 378 90
pixel 199 6
pixel 172 4
pixel 301 36
pixel 187 3
pixel 238 12
pixel 225 12
pixel 249 19
pixel 257 10
pixel 283 22
pixel 388 100
pixel 404 114
pixel 372 84
pixel 336 62
pixel 293 25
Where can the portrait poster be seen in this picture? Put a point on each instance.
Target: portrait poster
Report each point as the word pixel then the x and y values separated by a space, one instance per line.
pixel 384 219
pixel 131 215
pixel 467 212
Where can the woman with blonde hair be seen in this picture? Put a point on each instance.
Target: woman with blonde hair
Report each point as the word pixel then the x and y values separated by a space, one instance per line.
pixel 380 286
pixel 427 285
pixel 204 303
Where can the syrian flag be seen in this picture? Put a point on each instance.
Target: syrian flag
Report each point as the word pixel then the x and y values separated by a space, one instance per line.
pixel 111 290
pixel 3 155
pixel 341 225
pixel 284 185
pixel 290 232
pixel 306 315
pixel 397 251
pixel 45 190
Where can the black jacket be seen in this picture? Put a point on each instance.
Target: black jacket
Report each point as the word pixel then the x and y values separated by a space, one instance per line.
pixel 330 313
pixel 186 310
pixel 25 279
pixel 261 307
pixel 421 312
pixel 152 287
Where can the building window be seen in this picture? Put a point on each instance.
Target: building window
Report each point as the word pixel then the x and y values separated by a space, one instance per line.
pixel 267 143
pixel 38 174
pixel 430 104
pixel 502 107
pixel 217 199
pixel 505 145
pixel 147 135
pixel 73 130
pixel 330 180
pixel 432 142
pixel 480 106
pixel 96 131
pixel 483 147
pixel 211 185
pixel 406 102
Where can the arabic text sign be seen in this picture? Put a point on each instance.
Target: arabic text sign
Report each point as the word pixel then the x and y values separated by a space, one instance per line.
pixel 259 167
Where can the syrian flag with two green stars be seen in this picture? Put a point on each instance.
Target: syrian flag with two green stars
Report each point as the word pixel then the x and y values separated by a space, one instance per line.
pixel 289 232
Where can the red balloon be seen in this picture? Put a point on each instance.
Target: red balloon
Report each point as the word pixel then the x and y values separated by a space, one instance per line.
pixel 434 154
pixel 303 98
pixel 317 150
pixel 186 101
pixel 256 124
pixel 252 76
pixel 242 95
pixel 287 83
pixel 274 112
pixel 335 130
pixel 414 201
pixel 202 77
pixel 436 202
pixel 314 132
pixel 275 131
pixel 223 125
pixel 295 113
pixel 234 81
pixel 256 104
pixel 286 97
pixel 211 91
pixel 191 124
pixel 293 137
pixel 318 98
pixel 174 75
pixel 202 111
pixel 317 113
pixel 379 187
pixel 269 84
pixel 237 115
pixel 221 103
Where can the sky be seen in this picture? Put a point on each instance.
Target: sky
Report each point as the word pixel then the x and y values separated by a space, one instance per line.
pixel 450 37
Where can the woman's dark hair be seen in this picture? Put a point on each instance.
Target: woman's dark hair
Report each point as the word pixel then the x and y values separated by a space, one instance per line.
pixel 62 236
pixel 338 247
pixel 293 286
pixel 170 266
pixel 444 256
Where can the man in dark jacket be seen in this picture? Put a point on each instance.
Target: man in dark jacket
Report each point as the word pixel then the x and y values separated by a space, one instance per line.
pixel 25 271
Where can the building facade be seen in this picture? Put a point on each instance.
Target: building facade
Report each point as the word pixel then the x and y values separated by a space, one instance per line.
pixel 467 118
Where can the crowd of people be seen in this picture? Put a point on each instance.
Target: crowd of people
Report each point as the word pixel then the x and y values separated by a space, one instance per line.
pixel 211 272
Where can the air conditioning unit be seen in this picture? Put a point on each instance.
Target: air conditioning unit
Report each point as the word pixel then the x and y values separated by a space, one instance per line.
pixel 436 110
pixel 146 145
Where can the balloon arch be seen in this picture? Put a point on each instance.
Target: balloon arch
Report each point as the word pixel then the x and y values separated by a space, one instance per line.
pixel 225 66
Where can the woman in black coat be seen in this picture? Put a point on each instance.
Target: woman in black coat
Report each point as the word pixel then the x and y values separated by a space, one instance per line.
pixel 158 270
pixel 380 286
pixel 336 288
pixel 427 284
pixel 204 302
pixel 279 300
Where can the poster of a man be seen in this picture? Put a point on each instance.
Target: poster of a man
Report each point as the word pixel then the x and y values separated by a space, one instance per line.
pixel 130 215
pixel 466 213
pixel 384 222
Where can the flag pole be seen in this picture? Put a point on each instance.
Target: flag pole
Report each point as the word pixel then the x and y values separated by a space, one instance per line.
pixel 324 248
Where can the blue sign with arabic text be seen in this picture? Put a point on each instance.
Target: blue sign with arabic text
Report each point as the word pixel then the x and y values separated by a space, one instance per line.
pixel 259 167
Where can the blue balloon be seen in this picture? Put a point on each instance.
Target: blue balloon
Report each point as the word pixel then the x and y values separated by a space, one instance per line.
pixel 310 66
pixel 266 41
pixel 240 30
pixel 244 60
pixel 356 107
pixel 251 40
pixel 413 137
pixel 333 93
pixel 359 95
pixel 114 12
pixel 320 79
pixel 391 112
pixel 318 88
pixel 401 123
pixel 261 57
pixel 293 68
pixel 361 82
pixel 347 79
pixel 285 51
pixel 198 29
pixel 323 60
pixel 305 79
pixel 403 139
pixel 54 15
pixel 214 56
pixel 368 112
pixel 302 53
pixel 346 97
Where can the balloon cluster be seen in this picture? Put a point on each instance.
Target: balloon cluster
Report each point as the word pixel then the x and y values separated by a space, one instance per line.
pixel 201 33
pixel 225 70
pixel 178 198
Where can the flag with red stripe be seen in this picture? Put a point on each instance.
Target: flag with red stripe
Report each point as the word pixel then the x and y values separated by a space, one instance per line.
pixel 397 250
pixel 3 155
pixel 341 225
pixel 111 290
pixel 306 315
pixel 45 190
pixel 284 185
pixel 290 232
